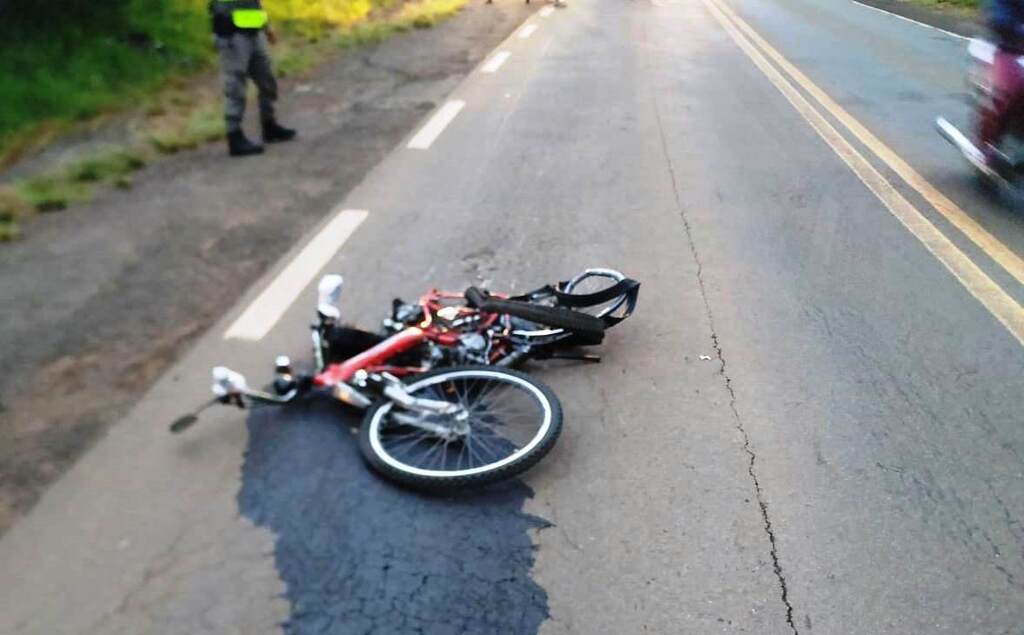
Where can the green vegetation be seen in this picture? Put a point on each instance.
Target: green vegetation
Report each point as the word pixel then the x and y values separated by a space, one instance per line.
pixel 964 8
pixel 63 61
pixel 67 61
pixel 305 43
pixel 105 166
pixel 424 15
pixel 318 16
pixel 12 207
pixel 174 134
pixel 52 192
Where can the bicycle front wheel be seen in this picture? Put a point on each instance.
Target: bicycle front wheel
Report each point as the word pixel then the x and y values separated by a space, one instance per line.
pixel 513 421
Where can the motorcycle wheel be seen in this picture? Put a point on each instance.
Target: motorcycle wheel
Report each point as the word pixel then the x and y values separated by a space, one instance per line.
pixel 514 421
pixel 1011 186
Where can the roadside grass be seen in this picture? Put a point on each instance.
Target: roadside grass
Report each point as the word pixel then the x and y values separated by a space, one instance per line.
pixel 964 8
pixel 424 15
pixel 51 193
pixel 172 130
pixel 63 63
pixel 185 110
pixel 105 166
pixel 187 129
pixel 305 44
pixel 74 183
pixel 12 209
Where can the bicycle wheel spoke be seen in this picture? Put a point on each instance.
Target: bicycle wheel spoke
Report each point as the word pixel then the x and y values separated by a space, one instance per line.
pixel 495 404
pixel 472 451
pixel 491 449
pixel 405 435
pixel 487 430
pixel 414 432
pixel 460 391
pixel 494 388
pixel 508 417
pixel 408 446
pixel 484 446
pixel 429 455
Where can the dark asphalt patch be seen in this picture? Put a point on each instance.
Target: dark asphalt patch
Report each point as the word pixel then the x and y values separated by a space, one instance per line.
pixel 359 555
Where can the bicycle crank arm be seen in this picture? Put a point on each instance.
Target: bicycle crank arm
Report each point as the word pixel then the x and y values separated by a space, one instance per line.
pixel 579 357
pixel 349 394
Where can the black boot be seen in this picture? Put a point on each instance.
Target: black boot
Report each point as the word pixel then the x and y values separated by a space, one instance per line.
pixel 274 132
pixel 239 146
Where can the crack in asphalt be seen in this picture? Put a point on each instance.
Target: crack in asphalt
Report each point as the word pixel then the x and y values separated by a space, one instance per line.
pixel 716 344
pixel 159 565
pixel 762 504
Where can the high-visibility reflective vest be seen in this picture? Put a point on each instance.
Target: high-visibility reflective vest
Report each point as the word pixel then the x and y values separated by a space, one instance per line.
pixel 230 16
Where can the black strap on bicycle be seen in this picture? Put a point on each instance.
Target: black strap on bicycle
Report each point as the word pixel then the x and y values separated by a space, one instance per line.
pixel 558 317
pixel 626 287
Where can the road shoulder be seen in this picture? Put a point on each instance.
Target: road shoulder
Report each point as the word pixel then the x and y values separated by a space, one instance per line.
pixel 102 299
pixel 963 22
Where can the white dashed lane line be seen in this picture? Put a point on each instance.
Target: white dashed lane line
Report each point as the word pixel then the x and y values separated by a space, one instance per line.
pixel 265 311
pixel 495 62
pixel 527 31
pixel 436 125
pixel 546 11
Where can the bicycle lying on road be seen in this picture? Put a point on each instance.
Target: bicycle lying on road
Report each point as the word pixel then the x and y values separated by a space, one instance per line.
pixel 444 407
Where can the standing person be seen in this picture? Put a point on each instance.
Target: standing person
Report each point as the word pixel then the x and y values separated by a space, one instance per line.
pixel 243 35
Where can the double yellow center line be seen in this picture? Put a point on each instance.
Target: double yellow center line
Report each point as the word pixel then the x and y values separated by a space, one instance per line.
pixel 1000 304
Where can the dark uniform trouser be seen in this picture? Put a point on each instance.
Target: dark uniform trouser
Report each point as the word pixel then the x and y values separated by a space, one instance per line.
pixel 242 56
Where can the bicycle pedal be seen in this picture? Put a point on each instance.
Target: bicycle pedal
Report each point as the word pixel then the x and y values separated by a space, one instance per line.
pixel 581 357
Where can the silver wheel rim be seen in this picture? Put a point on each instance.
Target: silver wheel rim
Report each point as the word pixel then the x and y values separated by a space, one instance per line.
pixel 385 449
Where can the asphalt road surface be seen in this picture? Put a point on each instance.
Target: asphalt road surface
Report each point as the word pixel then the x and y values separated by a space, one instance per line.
pixel 847 461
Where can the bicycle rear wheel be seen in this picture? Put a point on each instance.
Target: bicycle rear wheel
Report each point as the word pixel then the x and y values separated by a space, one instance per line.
pixel 513 421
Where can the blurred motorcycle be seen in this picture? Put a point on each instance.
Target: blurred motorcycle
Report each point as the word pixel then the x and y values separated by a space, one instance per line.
pixel 1008 166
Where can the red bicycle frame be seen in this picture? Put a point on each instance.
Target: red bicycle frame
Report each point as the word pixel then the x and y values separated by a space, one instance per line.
pixel 375 359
